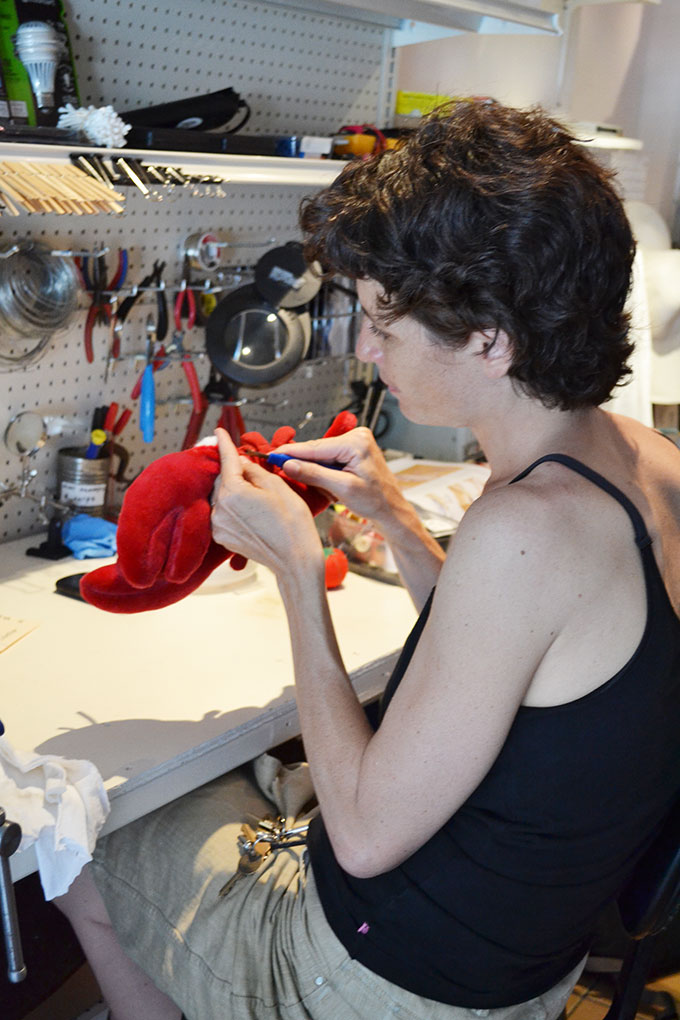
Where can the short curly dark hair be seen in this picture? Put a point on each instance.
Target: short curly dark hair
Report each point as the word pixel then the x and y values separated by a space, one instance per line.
pixel 492 218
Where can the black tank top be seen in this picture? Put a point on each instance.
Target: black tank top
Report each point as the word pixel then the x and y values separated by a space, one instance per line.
pixel 500 904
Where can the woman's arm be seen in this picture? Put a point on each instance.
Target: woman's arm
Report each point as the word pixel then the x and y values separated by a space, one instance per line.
pixel 368 487
pixel 383 794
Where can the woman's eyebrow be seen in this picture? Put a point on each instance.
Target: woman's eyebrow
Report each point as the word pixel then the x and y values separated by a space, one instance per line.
pixel 375 319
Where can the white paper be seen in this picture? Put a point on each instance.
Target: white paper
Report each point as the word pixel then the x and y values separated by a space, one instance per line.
pixel 12 630
pixel 441 491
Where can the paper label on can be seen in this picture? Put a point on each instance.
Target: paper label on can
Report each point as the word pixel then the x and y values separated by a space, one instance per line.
pixel 83 494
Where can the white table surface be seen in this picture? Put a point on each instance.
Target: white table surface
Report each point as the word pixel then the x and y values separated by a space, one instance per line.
pixel 164 701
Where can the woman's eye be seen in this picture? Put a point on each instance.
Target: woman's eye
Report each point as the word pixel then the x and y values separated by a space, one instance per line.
pixel 376 331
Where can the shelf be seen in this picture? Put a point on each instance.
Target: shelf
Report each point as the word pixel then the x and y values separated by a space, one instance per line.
pixel 235 169
pixel 463 15
pixel 607 141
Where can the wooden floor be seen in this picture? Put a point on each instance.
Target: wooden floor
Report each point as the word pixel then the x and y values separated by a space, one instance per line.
pixel 586 1004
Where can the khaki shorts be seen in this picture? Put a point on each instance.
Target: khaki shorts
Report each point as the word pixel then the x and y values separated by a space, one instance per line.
pixel 264 950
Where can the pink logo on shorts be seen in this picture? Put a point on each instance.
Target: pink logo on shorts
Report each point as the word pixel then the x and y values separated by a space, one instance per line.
pixel 363 928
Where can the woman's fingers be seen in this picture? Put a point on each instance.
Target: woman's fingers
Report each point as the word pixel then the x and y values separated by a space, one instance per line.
pixel 344 449
pixel 310 473
pixel 235 467
pixel 258 476
pixel 230 461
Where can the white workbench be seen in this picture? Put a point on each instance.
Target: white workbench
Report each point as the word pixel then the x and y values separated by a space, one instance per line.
pixel 164 701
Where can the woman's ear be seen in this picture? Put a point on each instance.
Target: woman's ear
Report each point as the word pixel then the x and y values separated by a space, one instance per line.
pixel 495 350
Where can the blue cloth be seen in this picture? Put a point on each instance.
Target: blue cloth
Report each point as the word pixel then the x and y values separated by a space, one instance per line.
pixel 89 537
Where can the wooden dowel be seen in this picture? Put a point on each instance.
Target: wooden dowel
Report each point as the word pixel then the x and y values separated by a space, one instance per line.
pixel 68 195
pixel 8 189
pixel 9 206
pixel 93 186
pixel 56 188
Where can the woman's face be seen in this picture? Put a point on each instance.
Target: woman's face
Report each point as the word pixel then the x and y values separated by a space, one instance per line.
pixel 430 381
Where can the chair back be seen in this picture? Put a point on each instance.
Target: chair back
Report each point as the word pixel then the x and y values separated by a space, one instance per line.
pixel 651 896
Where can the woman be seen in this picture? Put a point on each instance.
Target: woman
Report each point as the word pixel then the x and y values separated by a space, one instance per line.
pixel 527 749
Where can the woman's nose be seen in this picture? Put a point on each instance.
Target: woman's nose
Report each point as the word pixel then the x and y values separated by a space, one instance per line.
pixel 368 348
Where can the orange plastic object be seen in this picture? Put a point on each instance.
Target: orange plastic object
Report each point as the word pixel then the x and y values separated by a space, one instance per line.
pixel 345 146
pixel 336 567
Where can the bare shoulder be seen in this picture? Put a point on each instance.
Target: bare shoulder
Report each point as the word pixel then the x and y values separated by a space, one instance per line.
pixel 520 520
pixel 547 543
pixel 509 558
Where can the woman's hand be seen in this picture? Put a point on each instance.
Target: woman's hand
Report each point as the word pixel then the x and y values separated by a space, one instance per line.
pixel 256 514
pixel 366 485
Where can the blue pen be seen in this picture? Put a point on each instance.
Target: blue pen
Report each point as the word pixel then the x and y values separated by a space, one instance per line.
pixel 97 440
pixel 279 459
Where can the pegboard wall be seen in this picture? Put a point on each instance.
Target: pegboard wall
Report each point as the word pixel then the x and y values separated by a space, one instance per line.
pixel 300 72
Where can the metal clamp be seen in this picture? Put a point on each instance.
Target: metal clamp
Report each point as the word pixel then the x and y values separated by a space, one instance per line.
pixel 10 837
pixel 273 833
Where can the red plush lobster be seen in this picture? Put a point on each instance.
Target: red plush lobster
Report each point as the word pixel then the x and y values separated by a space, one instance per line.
pixel 165 545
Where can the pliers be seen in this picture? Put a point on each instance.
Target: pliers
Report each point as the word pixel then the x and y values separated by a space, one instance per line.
pixel 114 425
pixel 197 397
pixel 153 279
pixel 159 361
pixel 101 311
pixel 115 285
pixel 161 301
pixel 185 294
pixel 121 271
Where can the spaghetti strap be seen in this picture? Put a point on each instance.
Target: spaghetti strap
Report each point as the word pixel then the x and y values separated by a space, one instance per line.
pixel 642 536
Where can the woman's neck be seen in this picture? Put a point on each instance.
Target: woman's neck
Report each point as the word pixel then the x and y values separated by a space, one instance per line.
pixel 530 430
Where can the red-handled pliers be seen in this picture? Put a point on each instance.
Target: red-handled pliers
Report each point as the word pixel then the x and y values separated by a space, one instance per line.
pixel 194 385
pixel 116 425
pixel 101 310
pixel 159 361
pixel 115 285
pixel 185 292
pixel 197 398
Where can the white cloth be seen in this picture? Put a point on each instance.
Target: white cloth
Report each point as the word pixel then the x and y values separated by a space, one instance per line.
pixel 60 804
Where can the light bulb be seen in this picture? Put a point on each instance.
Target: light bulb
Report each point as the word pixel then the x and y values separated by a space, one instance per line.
pixel 38 47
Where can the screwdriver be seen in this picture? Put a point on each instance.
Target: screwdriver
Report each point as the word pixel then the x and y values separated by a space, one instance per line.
pixel 279 459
